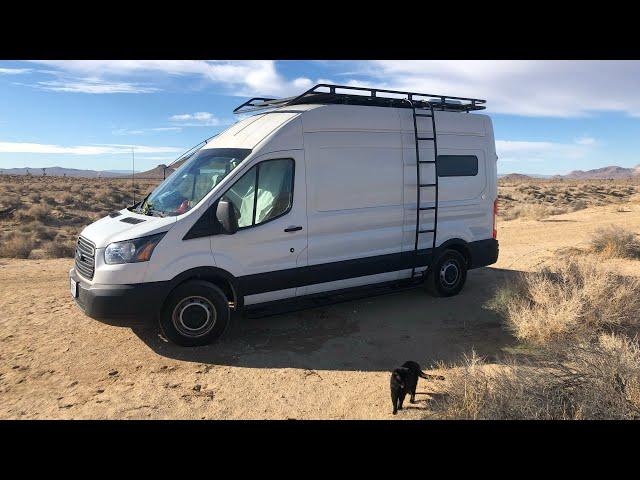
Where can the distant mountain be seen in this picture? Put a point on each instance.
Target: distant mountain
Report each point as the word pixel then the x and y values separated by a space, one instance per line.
pixel 515 176
pixel 59 172
pixel 613 172
pixel 159 172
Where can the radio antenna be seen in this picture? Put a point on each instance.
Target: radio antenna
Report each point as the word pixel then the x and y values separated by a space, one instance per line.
pixel 133 175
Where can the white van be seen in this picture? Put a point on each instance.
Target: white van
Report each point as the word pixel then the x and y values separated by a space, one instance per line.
pixel 332 190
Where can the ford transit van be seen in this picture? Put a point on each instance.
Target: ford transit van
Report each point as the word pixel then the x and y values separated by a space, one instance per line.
pixel 337 188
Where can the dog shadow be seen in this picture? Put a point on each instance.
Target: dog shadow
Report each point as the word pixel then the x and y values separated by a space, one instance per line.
pixel 424 404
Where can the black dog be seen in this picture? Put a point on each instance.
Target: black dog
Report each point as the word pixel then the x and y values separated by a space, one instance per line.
pixel 405 380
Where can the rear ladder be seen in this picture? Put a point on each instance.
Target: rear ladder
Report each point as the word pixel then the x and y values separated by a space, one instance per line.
pixel 419 112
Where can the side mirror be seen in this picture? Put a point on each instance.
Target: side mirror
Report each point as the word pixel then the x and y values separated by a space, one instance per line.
pixel 226 215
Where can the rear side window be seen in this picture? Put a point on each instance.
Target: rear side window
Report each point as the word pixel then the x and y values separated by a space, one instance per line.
pixel 457 165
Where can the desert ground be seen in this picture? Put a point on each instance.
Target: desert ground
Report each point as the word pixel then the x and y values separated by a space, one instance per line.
pixel 327 362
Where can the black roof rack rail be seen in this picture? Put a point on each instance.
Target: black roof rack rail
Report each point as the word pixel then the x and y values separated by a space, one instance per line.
pixel 377 97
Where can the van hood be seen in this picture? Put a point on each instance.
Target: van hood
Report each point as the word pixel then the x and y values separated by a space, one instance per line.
pixel 125 225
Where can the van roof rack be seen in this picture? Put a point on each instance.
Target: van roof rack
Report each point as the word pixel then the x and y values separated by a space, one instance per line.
pixel 326 93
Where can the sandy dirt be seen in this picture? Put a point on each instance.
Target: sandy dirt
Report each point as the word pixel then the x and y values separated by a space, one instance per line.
pixel 329 362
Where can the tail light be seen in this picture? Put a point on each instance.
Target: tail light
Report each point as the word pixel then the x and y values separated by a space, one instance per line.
pixel 495 214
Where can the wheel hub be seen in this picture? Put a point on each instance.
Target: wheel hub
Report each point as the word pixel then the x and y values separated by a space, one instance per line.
pixel 449 273
pixel 194 316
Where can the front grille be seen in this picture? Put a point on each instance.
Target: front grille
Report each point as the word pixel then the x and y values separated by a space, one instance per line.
pixel 85 258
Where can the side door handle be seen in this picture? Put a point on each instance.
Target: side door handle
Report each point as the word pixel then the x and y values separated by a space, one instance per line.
pixel 293 228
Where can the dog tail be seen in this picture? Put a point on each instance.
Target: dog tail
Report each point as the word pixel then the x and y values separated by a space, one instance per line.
pixel 426 376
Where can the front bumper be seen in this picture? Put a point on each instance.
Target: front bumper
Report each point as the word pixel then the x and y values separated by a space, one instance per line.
pixel 136 301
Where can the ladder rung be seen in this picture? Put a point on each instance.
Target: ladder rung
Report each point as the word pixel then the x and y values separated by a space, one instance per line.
pixel 426 231
pixel 423 115
pixel 427 161
pixel 427 208
pixel 425 138
pixel 428 185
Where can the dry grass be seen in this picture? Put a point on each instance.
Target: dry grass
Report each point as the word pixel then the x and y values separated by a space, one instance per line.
pixel 598 380
pixel 16 246
pixel 580 321
pixel 60 248
pixel 615 242
pixel 46 210
pixel 539 199
pixel 572 299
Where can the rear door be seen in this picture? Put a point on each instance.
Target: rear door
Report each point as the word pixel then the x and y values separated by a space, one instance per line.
pixel 271 242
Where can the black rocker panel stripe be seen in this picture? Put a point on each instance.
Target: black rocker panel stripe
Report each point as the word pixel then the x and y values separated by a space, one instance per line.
pixel 329 272
pixel 481 252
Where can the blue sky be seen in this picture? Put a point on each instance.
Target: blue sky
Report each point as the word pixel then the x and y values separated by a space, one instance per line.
pixel 549 116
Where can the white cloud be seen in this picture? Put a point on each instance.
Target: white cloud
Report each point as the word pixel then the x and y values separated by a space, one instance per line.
pixel 518 151
pixel 125 131
pixel 143 131
pixel 198 119
pixel 94 85
pixel 102 149
pixel 166 129
pixel 14 71
pixel 530 88
pixel 584 140
pixel 240 78
pixel 520 87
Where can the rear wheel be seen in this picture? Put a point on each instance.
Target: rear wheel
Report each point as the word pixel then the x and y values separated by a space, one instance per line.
pixel 195 313
pixel 449 274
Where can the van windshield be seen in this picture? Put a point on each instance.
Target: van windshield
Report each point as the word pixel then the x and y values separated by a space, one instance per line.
pixel 196 177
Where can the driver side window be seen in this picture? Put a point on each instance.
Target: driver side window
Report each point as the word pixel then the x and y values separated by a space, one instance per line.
pixel 241 196
pixel 272 180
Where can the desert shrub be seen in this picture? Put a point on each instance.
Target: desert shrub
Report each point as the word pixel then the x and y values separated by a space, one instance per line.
pixel 38 212
pixel 16 246
pixel 60 248
pixel 578 205
pixel 573 298
pixel 533 211
pixel 66 198
pixel 615 241
pixel 10 201
pixel 103 196
pixel 116 197
pixel 34 197
pixel 48 200
pixel 597 380
pixel 42 232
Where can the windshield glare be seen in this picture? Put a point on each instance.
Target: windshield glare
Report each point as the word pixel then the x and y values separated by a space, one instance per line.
pixel 185 187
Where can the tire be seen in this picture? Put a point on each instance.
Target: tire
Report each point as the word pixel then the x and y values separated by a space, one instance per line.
pixel 195 313
pixel 449 274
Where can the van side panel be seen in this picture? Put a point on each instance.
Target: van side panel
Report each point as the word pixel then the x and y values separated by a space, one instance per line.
pixel 354 193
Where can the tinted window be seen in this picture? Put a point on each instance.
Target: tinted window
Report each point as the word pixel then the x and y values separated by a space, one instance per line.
pixel 457 165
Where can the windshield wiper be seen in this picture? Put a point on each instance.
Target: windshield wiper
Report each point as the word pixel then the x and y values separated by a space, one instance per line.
pixel 153 212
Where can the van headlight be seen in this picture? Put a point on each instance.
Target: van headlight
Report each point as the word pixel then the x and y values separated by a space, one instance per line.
pixel 132 251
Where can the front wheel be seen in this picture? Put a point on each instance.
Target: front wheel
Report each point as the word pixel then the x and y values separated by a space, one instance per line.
pixel 195 313
pixel 449 274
